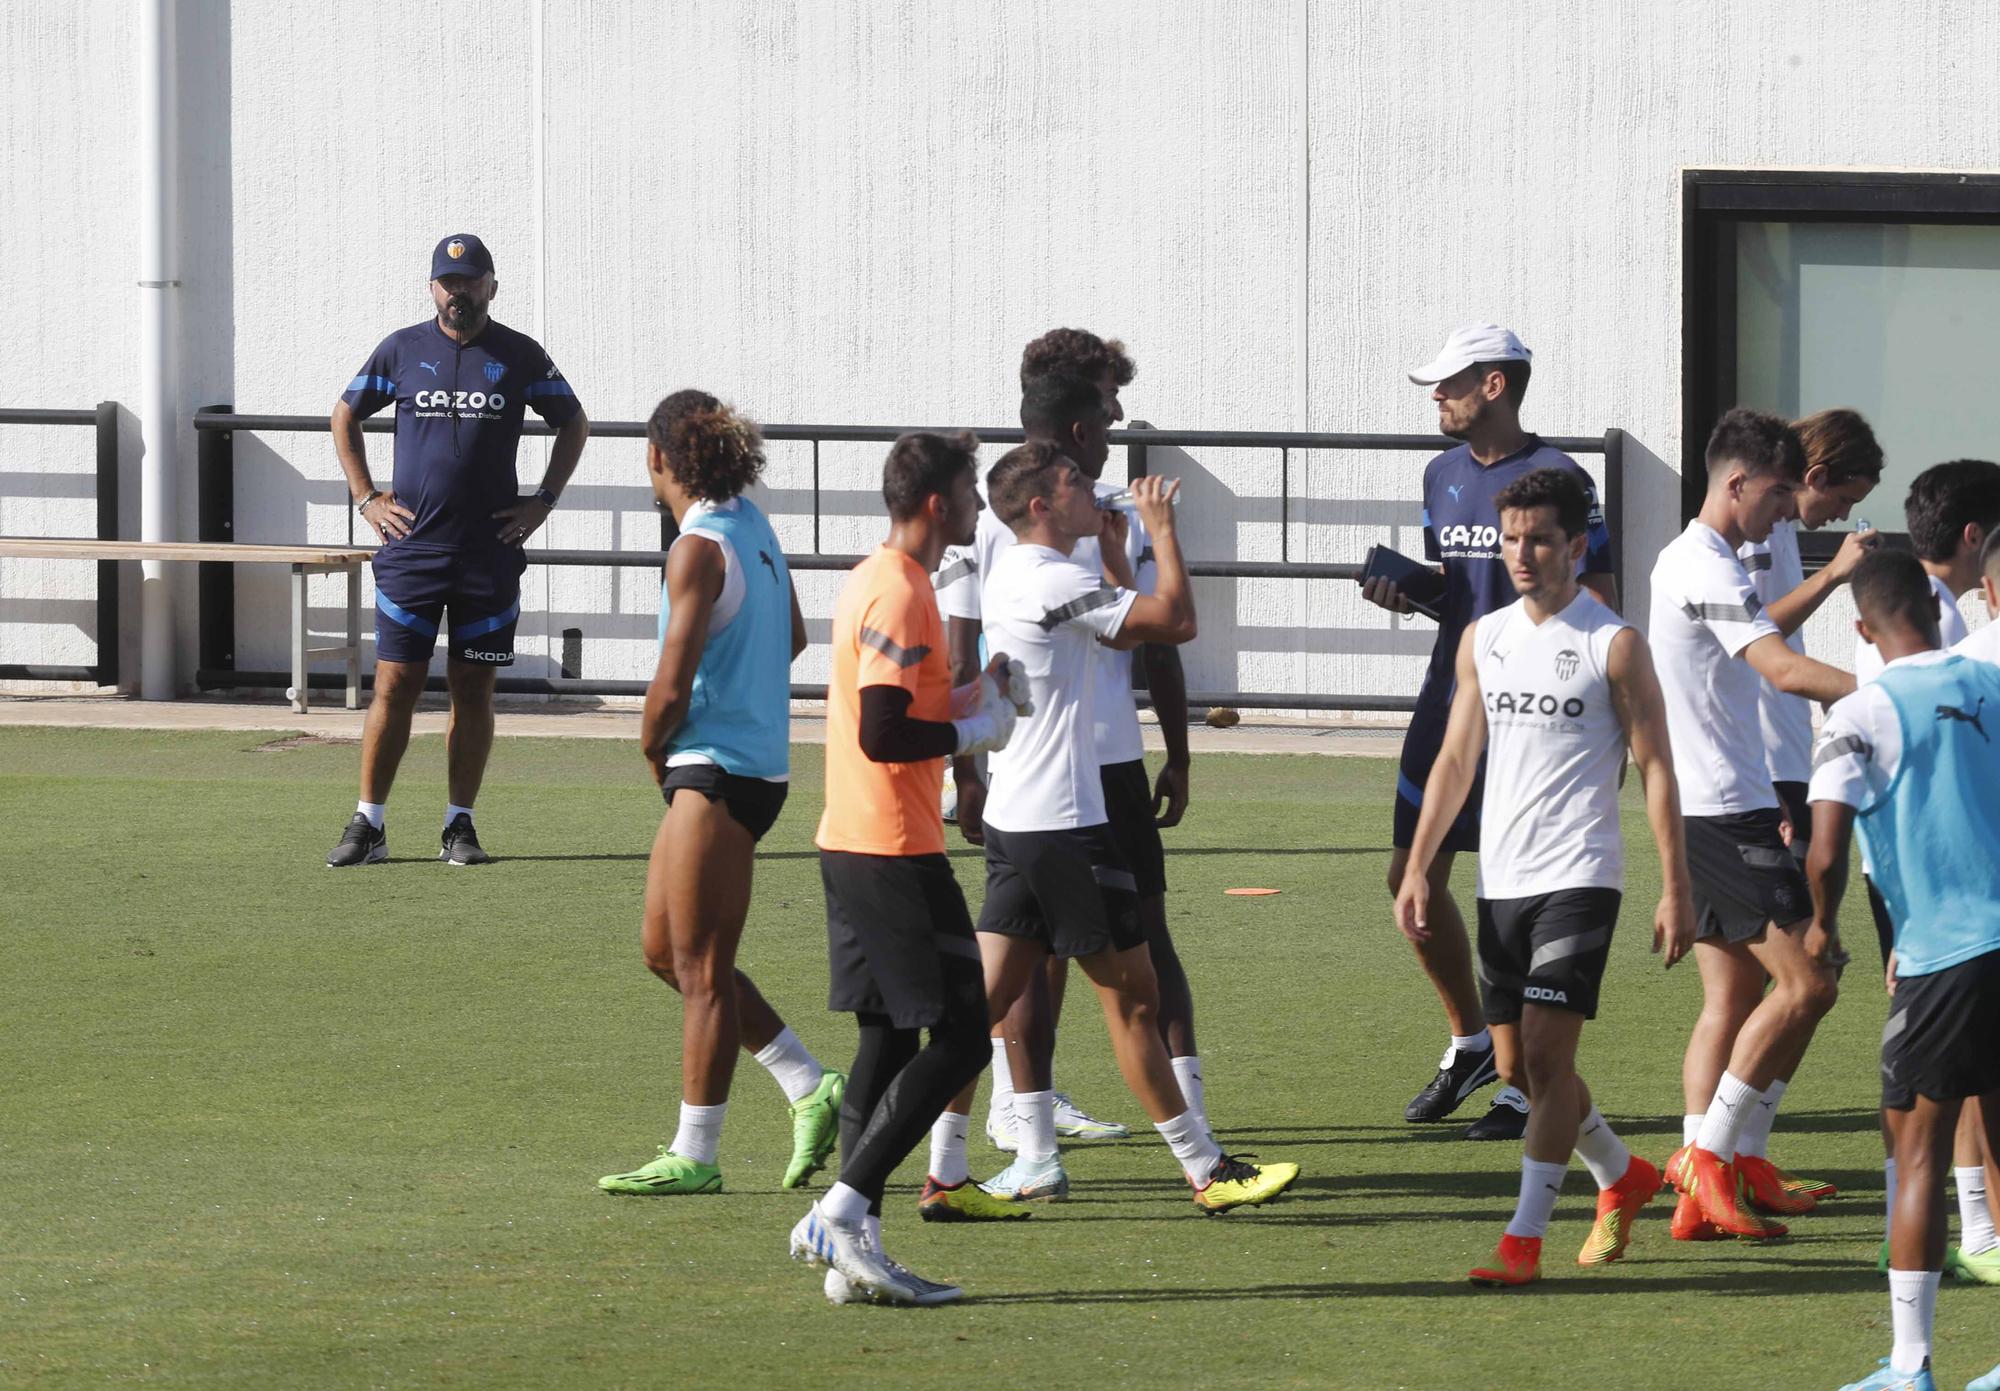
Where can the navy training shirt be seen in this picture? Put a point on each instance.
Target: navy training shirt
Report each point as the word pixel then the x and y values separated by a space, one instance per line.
pixel 1462 530
pixel 458 424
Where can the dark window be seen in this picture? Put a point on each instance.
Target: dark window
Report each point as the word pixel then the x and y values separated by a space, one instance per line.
pixel 1879 291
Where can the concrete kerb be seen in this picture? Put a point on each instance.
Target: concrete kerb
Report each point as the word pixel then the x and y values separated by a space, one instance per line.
pixel 603 719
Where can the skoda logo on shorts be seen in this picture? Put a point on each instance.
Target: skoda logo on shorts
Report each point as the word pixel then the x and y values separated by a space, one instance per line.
pixel 1566 663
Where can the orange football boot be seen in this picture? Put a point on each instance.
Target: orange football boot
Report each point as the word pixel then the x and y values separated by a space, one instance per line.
pixel 1690 1225
pixel 1518 1261
pixel 1817 1189
pixel 1766 1189
pixel 1718 1189
pixel 1617 1206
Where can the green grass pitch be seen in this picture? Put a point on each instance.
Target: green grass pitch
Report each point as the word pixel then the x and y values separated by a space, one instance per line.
pixel 267 1125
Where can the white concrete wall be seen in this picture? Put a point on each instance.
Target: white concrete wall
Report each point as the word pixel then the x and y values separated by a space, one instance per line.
pixel 859 212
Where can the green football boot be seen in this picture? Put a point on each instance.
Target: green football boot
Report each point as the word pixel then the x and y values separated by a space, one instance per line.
pixel 815 1128
pixel 669 1174
pixel 1982 1268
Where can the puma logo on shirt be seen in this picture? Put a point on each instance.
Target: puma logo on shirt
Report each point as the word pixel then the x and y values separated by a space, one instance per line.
pixel 1946 712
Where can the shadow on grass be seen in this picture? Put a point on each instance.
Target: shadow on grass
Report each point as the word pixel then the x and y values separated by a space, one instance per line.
pixel 973 852
pixel 1720 1282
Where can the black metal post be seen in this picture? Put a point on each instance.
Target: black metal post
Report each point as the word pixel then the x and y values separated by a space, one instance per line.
pixel 1614 507
pixel 1135 451
pixel 108 636
pixel 215 471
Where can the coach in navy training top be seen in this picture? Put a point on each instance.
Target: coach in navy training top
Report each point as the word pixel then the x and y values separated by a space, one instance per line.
pixel 1477 382
pixel 452 524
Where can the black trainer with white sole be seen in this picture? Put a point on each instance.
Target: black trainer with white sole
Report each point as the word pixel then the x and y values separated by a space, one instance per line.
pixel 362 843
pixel 1505 1119
pixel 1460 1073
pixel 459 845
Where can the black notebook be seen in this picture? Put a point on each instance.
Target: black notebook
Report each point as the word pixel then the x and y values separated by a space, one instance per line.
pixel 1421 585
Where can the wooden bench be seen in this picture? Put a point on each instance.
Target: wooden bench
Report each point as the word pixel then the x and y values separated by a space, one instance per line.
pixel 304 560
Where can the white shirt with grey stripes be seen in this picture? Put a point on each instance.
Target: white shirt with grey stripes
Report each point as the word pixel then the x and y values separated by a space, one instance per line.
pixel 957 581
pixel 1044 609
pixel 1705 612
pixel 1776 569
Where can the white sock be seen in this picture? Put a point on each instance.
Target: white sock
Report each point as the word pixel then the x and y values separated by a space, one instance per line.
pixel 1755 1138
pixel 791 1066
pixel 1000 1111
pixel 700 1133
pixel 873 1224
pixel 452 811
pixel 1541 1185
pixel 1690 1127
pixel 1888 1195
pixel 374 811
pixel 1511 1096
pixel 1187 1071
pixel 1472 1043
pixel 1035 1126
pixel 1726 1114
pixel 1975 1215
pixel 1912 1307
pixel 844 1204
pixel 1600 1149
pixel 1187 1136
pixel 948 1165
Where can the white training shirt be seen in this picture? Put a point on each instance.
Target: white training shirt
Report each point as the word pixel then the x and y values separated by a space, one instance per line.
pixel 1705 612
pixel 1554 749
pixel 1951 629
pixel 1786 720
pixel 1116 721
pixel 1046 610
pixel 1983 645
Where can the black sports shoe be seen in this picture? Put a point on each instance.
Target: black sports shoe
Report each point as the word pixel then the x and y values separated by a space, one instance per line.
pixel 360 844
pixel 1505 1119
pixel 459 845
pixel 1461 1072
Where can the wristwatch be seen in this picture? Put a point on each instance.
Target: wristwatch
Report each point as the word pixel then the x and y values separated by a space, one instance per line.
pixel 546 498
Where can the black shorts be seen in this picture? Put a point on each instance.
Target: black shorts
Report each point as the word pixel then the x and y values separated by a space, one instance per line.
pixel 899 939
pixel 1942 1040
pixel 1421 746
pixel 1546 950
pixel 1743 875
pixel 753 803
pixel 1799 812
pixel 1066 888
pixel 1128 805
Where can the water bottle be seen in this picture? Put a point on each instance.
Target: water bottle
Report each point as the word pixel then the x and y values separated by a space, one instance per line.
pixel 1862 526
pixel 1123 501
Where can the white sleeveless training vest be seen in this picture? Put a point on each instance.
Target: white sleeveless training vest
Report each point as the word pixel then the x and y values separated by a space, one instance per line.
pixel 1554 749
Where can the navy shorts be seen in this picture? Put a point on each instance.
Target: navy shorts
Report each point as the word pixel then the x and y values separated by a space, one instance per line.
pixel 1420 750
pixel 416 590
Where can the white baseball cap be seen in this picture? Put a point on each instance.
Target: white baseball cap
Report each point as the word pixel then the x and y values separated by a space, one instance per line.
pixel 1467 345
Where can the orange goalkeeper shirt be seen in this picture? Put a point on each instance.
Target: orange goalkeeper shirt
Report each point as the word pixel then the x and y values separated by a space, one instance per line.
pixel 886 632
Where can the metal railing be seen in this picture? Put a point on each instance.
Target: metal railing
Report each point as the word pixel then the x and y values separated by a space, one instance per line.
pixel 104 420
pixel 216 427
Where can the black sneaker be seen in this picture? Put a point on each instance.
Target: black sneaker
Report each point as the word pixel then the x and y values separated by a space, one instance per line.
pixel 1505 1119
pixel 459 845
pixel 360 844
pixel 1461 1072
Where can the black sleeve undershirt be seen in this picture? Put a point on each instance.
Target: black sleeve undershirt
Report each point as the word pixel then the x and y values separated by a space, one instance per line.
pixel 889 735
